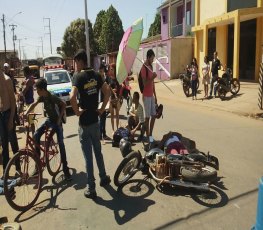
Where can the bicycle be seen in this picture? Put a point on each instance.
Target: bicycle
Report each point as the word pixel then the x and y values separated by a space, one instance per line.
pixel 24 194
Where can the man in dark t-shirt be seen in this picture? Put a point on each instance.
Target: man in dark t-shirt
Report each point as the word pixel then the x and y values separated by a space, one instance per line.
pixel 216 65
pixel 87 84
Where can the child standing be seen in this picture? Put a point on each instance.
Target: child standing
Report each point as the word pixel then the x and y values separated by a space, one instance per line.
pixel 54 120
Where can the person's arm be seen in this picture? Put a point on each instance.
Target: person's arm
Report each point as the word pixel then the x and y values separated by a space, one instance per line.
pixel 27 85
pixel 12 99
pixel 31 107
pixel 73 101
pixel 105 89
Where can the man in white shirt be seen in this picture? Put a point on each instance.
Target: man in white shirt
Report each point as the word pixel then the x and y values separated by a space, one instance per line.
pixel 136 117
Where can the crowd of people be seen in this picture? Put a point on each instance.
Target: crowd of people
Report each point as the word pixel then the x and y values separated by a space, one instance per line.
pixel 94 95
pixel 207 79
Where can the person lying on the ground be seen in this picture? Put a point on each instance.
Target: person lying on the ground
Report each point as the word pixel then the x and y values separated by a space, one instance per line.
pixel 171 143
pixel 136 117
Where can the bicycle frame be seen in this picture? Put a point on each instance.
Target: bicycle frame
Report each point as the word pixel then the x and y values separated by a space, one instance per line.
pixel 32 145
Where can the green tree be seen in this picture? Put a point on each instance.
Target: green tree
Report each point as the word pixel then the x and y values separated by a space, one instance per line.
pixel 75 38
pixel 155 27
pixel 100 20
pixel 111 32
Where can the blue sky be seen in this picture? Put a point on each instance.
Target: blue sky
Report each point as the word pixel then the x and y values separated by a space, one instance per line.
pixel 31 26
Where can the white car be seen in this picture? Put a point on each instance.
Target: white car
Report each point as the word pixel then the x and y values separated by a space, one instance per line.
pixel 59 83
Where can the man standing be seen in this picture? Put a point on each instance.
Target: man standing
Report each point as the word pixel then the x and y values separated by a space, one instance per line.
pixel 149 94
pixel 7 111
pixel 216 65
pixel 87 84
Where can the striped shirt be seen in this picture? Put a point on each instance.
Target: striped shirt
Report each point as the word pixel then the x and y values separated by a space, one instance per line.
pixel 138 112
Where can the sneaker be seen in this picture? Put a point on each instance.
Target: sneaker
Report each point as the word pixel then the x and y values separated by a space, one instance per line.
pixel 105 137
pixel 105 181
pixel 91 194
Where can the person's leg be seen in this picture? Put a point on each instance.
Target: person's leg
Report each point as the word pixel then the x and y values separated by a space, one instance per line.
pixel 85 142
pixel 143 129
pixel 117 114
pixel 103 124
pixel 38 134
pixel 212 86
pixel 14 144
pixel 112 117
pixel 153 115
pixel 147 112
pixel 94 134
pixel 59 131
pixel 4 116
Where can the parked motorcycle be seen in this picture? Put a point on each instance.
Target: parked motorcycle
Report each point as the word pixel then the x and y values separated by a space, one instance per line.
pixel 186 83
pixel 196 170
pixel 227 84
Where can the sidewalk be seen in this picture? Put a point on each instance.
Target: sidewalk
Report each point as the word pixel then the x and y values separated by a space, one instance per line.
pixel 245 103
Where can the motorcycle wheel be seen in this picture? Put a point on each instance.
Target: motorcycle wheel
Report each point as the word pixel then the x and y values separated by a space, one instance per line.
pixel 127 168
pixel 206 174
pixel 234 86
pixel 186 89
pixel 221 92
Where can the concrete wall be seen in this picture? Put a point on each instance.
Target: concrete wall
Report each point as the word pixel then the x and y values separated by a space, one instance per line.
pixel 211 8
pixel 182 54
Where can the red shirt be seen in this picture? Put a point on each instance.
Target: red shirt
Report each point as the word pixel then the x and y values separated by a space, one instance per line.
pixel 148 88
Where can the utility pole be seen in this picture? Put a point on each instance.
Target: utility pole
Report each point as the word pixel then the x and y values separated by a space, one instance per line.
pixel 19 48
pixel 42 46
pixel 3 20
pixel 49 32
pixel 87 33
pixel 14 38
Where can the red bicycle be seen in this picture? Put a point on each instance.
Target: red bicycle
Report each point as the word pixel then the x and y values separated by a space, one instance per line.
pixel 26 184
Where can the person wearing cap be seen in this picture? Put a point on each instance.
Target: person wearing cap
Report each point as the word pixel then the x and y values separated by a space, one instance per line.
pixel 7 111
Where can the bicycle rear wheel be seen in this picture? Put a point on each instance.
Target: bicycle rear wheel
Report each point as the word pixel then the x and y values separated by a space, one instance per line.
pixel 21 187
pixel 53 159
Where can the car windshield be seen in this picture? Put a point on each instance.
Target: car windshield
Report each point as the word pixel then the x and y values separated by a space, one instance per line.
pixel 57 78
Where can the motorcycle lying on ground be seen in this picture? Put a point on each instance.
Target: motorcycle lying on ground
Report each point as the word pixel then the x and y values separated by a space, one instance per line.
pixel 186 83
pixel 194 170
pixel 227 84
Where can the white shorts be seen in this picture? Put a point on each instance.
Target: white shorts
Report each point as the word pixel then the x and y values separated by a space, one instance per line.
pixel 149 106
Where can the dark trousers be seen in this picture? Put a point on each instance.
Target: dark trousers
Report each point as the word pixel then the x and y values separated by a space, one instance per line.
pixel 194 87
pixel 7 136
pixel 59 131
pixel 132 124
pixel 214 78
pixel 103 124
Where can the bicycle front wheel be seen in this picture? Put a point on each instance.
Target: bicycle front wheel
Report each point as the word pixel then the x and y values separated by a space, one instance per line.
pixel 53 159
pixel 23 180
